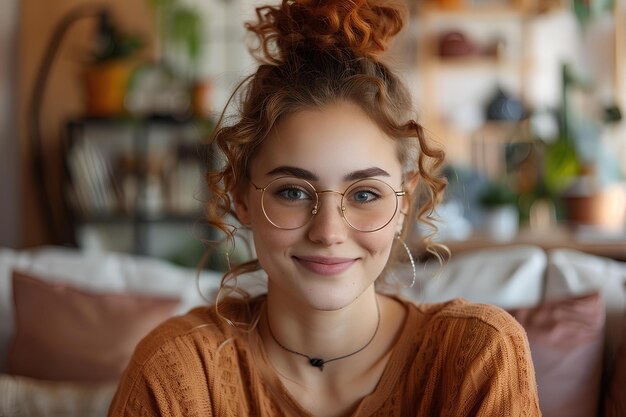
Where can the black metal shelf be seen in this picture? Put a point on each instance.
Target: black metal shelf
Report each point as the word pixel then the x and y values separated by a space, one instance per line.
pixel 130 218
pixel 188 143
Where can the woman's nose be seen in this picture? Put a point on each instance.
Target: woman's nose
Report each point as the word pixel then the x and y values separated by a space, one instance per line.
pixel 328 225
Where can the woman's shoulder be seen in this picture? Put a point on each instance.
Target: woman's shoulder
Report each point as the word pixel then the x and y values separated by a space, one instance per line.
pixel 203 325
pixel 460 312
pixel 175 356
pixel 468 333
pixel 178 329
pixel 475 355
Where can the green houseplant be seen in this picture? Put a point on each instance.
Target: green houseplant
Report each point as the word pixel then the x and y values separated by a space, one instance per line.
pixel 497 194
pixel 108 71
pixel 180 28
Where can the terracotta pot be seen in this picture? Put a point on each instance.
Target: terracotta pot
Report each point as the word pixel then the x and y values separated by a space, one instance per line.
pixel 105 88
pixel 449 4
pixel 605 209
pixel 202 99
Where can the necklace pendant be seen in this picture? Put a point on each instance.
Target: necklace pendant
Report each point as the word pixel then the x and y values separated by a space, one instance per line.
pixel 317 362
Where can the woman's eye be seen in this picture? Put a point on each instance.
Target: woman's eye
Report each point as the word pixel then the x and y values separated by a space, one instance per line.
pixel 293 193
pixel 365 196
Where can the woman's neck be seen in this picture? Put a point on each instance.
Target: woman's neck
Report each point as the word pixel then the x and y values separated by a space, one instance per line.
pixel 292 325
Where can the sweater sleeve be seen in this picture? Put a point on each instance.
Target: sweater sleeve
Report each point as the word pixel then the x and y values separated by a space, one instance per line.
pixel 496 377
pixel 483 365
pixel 167 375
pixel 165 385
pixel 132 398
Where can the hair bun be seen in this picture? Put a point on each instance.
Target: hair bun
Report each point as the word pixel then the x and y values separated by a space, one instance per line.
pixel 361 25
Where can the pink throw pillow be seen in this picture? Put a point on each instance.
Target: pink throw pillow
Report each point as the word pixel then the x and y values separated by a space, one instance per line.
pixel 64 333
pixel 615 401
pixel 566 343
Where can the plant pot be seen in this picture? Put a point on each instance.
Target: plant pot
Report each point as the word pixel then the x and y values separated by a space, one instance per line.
pixel 604 209
pixel 202 98
pixel 502 222
pixel 449 4
pixel 105 88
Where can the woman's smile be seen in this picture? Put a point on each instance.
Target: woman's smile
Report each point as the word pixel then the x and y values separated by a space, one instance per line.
pixel 323 265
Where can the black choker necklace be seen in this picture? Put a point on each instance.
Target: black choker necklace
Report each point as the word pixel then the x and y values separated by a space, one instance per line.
pixel 318 362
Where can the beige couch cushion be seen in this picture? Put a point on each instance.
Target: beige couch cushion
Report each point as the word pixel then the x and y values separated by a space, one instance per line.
pixel 26 397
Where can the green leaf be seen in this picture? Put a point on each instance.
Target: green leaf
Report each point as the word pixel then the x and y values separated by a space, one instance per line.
pixel 497 194
pixel 185 27
pixel 561 165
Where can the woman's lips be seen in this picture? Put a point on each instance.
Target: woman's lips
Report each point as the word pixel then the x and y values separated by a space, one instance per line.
pixel 324 265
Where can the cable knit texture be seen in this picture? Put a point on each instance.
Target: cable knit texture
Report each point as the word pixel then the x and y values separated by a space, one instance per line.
pixel 451 359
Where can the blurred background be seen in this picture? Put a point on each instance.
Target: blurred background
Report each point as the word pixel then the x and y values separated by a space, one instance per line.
pixel 105 109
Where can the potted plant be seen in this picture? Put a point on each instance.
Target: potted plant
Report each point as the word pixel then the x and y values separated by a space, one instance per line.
pixel 579 169
pixel 108 71
pixel 181 29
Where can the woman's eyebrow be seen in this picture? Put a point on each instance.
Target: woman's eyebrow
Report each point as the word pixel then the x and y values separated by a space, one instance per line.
pixel 309 176
pixel 294 172
pixel 366 173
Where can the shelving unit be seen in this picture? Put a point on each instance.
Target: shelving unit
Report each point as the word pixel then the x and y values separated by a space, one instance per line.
pixel 135 185
pixel 539 37
pixel 496 35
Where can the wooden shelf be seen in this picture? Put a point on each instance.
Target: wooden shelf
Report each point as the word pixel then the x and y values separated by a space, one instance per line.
pixel 561 238
pixel 479 12
pixel 507 64
pixel 472 62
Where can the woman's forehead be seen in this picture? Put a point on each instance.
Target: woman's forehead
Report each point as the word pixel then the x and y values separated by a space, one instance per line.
pixel 333 141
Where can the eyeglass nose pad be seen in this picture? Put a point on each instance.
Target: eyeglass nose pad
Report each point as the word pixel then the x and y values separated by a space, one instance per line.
pixel 316 209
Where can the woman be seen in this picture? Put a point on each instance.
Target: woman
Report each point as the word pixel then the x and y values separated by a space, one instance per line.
pixel 323 164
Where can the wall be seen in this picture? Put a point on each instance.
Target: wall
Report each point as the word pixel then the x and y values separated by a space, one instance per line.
pixel 63 98
pixel 9 144
pixel 225 57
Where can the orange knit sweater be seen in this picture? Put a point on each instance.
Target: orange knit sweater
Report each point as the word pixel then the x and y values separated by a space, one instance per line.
pixel 451 359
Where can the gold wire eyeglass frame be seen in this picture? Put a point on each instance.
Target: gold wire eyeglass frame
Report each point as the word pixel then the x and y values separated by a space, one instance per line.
pixel 317 200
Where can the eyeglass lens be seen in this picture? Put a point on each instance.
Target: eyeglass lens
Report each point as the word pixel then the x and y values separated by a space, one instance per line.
pixel 367 205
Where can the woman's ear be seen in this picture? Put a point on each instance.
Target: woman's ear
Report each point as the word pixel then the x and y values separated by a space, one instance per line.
pixel 410 184
pixel 240 202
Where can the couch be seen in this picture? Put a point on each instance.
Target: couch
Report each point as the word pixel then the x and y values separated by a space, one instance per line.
pixel 70 320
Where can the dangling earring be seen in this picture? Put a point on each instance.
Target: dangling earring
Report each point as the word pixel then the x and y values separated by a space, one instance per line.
pixel 230 246
pixel 408 252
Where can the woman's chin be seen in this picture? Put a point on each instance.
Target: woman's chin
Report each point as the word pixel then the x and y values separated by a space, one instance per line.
pixel 332 300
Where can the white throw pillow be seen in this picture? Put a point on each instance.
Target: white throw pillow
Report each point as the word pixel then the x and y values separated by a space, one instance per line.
pixel 509 277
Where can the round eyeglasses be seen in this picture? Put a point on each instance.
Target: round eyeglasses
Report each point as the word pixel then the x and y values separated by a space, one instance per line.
pixel 367 205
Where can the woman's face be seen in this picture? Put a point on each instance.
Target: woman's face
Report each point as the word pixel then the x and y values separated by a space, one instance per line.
pixel 326 263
